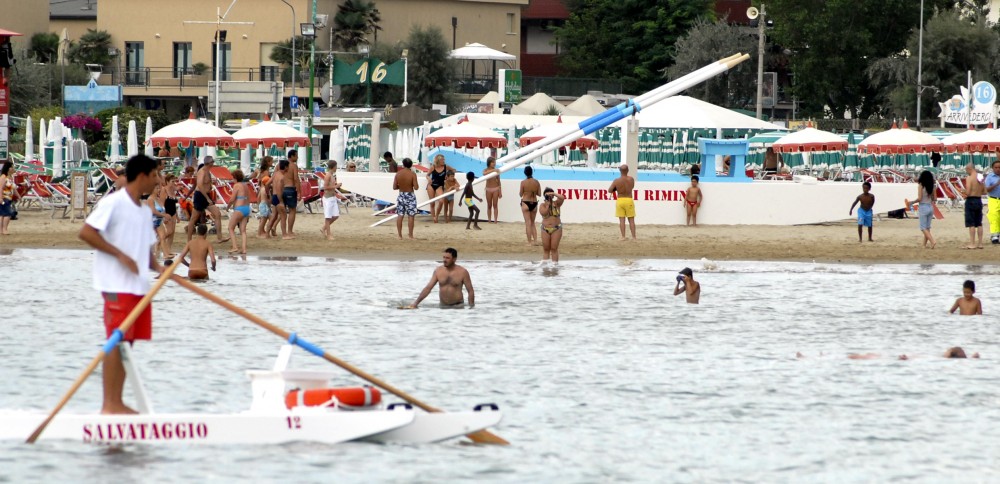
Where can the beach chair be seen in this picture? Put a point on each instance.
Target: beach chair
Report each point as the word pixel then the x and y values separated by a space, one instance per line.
pixel 42 193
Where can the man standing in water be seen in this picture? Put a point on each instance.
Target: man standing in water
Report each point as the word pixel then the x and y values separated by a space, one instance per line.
pixel 120 229
pixel 450 278
pixel 406 203
pixel 290 194
pixel 625 206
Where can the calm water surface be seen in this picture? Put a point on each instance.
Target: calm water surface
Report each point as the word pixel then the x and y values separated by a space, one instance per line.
pixel 602 374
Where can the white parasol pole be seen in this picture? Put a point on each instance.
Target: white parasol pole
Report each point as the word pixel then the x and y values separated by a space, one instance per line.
pixel 245 153
pixel 57 152
pixel 29 141
pixel 116 141
pixel 594 123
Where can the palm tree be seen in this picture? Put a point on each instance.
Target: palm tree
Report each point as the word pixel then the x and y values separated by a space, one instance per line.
pixel 356 19
pixel 92 48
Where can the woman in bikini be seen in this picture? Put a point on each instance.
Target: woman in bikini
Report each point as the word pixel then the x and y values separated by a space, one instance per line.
pixel 530 190
pixel 167 197
pixel 493 193
pixel 551 210
pixel 240 203
pixel 436 178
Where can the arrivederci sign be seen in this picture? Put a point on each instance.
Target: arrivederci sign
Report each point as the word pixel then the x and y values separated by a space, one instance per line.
pixel 976 108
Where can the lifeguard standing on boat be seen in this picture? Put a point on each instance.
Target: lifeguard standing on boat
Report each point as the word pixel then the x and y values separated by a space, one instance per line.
pixel 120 229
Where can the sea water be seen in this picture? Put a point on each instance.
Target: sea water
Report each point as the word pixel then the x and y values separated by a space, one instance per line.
pixel 602 373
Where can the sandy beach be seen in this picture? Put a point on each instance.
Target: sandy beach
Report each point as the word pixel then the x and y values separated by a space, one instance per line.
pixel 896 241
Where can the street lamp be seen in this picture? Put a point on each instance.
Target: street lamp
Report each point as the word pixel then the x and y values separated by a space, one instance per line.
pixel 920 61
pixel 293 45
pixel 309 32
pixel 760 60
pixel 406 75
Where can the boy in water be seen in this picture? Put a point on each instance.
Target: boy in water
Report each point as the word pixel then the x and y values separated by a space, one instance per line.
pixel 693 201
pixel 467 197
pixel 690 287
pixel 867 201
pixel 200 249
pixel 968 305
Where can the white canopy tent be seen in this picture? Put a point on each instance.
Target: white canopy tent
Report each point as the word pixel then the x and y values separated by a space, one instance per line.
pixel 478 52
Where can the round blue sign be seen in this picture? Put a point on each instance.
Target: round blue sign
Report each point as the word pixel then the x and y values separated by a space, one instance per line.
pixel 984 93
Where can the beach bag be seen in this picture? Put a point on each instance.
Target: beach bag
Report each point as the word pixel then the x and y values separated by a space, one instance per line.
pixel 901 213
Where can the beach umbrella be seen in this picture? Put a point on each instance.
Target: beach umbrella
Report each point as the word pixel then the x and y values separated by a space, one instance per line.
pixel 29 141
pixel 851 160
pixel 247 151
pixel 809 140
pixel 902 140
pixel 191 132
pixel 586 142
pixel 57 152
pixel 115 146
pixel 42 140
pixel 269 133
pixel 465 135
pixel 132 142
pixel 149 150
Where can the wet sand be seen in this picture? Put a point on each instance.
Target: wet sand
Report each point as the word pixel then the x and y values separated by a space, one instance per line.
pixel 896 241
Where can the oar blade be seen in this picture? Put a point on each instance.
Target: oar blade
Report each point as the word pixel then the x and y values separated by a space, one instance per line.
pixel 485 437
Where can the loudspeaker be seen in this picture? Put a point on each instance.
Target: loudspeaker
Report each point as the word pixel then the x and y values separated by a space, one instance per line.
pixel 7 55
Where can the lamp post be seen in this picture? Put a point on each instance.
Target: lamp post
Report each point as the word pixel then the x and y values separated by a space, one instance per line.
pixel 309 32
pixel 294 59
pixel 218 46
pixel 920 61
pixel 406 73
pixel 366 50
pixel 760 61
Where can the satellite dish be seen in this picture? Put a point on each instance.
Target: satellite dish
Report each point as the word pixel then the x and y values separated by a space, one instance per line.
pixel 752 13
pixel 325 93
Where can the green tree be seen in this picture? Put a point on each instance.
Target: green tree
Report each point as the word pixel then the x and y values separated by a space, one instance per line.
pixel 629 40
pixel 432 73
pixel 834 42
pixel 92 48
pixel 946 60
pixel 126 114
pixel 45 47
pixel 355 20
pixel 282 54
pixel 35 85
pixel 708 42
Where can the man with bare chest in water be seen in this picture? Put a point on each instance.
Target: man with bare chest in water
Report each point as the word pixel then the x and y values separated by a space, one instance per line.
pixel 449 278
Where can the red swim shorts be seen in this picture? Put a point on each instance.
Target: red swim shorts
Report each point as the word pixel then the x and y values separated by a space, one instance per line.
pixel 117 307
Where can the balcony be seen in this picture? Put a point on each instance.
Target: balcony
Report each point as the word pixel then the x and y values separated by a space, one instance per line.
pixel 167 81
pixel 553 86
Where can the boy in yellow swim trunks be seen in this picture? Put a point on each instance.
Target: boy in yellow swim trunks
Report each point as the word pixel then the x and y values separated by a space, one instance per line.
pixel 624 206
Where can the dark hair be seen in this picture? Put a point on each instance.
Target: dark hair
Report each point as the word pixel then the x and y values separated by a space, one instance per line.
pixel 470 176
pixel 283 165
pixel 491 159
pixel 528 171
pixel 331 164
pixel 238 175
pixel 969 285
pixel 452 251
pixel 866 184
pixel 548 190
pixel 6 168
pixel 202 229
pixel 687 272
pixel 926 180
pixel 292 153
pixel 695 169
pixel 387 154
pixel 407 163
pixel 265 163
pixel 955 352
pixel 694 178
pixel 994 162
pixel 139 165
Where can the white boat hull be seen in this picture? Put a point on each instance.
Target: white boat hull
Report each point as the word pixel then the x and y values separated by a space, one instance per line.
pixel 663 203
pixel 436 427
pixel 187 429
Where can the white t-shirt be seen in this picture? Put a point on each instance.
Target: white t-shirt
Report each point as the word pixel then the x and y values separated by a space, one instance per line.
pixel 129 227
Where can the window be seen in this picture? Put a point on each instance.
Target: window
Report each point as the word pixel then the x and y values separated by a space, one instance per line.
pixel 182 58
pixel 226 51
pixel 510 24
pixel 135 59
pixel 269 73
pixel 268 68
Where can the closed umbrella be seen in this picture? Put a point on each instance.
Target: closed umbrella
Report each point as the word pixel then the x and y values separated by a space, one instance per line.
pixel 133 140
pixel 149 150
pixel 115 146
pixel 57 152
pixel 29 141
pixel 42 140
pixel 245 153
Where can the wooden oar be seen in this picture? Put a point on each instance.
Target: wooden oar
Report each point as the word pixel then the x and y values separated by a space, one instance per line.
pixel 479 437
pixel 113 340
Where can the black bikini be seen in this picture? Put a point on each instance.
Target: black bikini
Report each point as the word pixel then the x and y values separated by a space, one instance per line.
pixel 531 205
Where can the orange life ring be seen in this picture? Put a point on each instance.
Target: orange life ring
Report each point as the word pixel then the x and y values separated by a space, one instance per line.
pixel 364 396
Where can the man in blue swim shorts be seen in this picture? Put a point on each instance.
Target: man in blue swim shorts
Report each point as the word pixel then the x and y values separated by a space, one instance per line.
pixel 290 194
pixel 867 201
pixel 406 203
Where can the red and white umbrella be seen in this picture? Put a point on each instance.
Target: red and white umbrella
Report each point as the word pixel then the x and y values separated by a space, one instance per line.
pixel 809 140
pixel 900 141
pixel 268 133
pixel 982 141
pixel 191 132
pixel 585 142
pixel 465 135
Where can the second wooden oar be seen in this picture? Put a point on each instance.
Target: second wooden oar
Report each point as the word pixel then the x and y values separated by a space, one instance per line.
pixel 113 340
pixel 479 437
